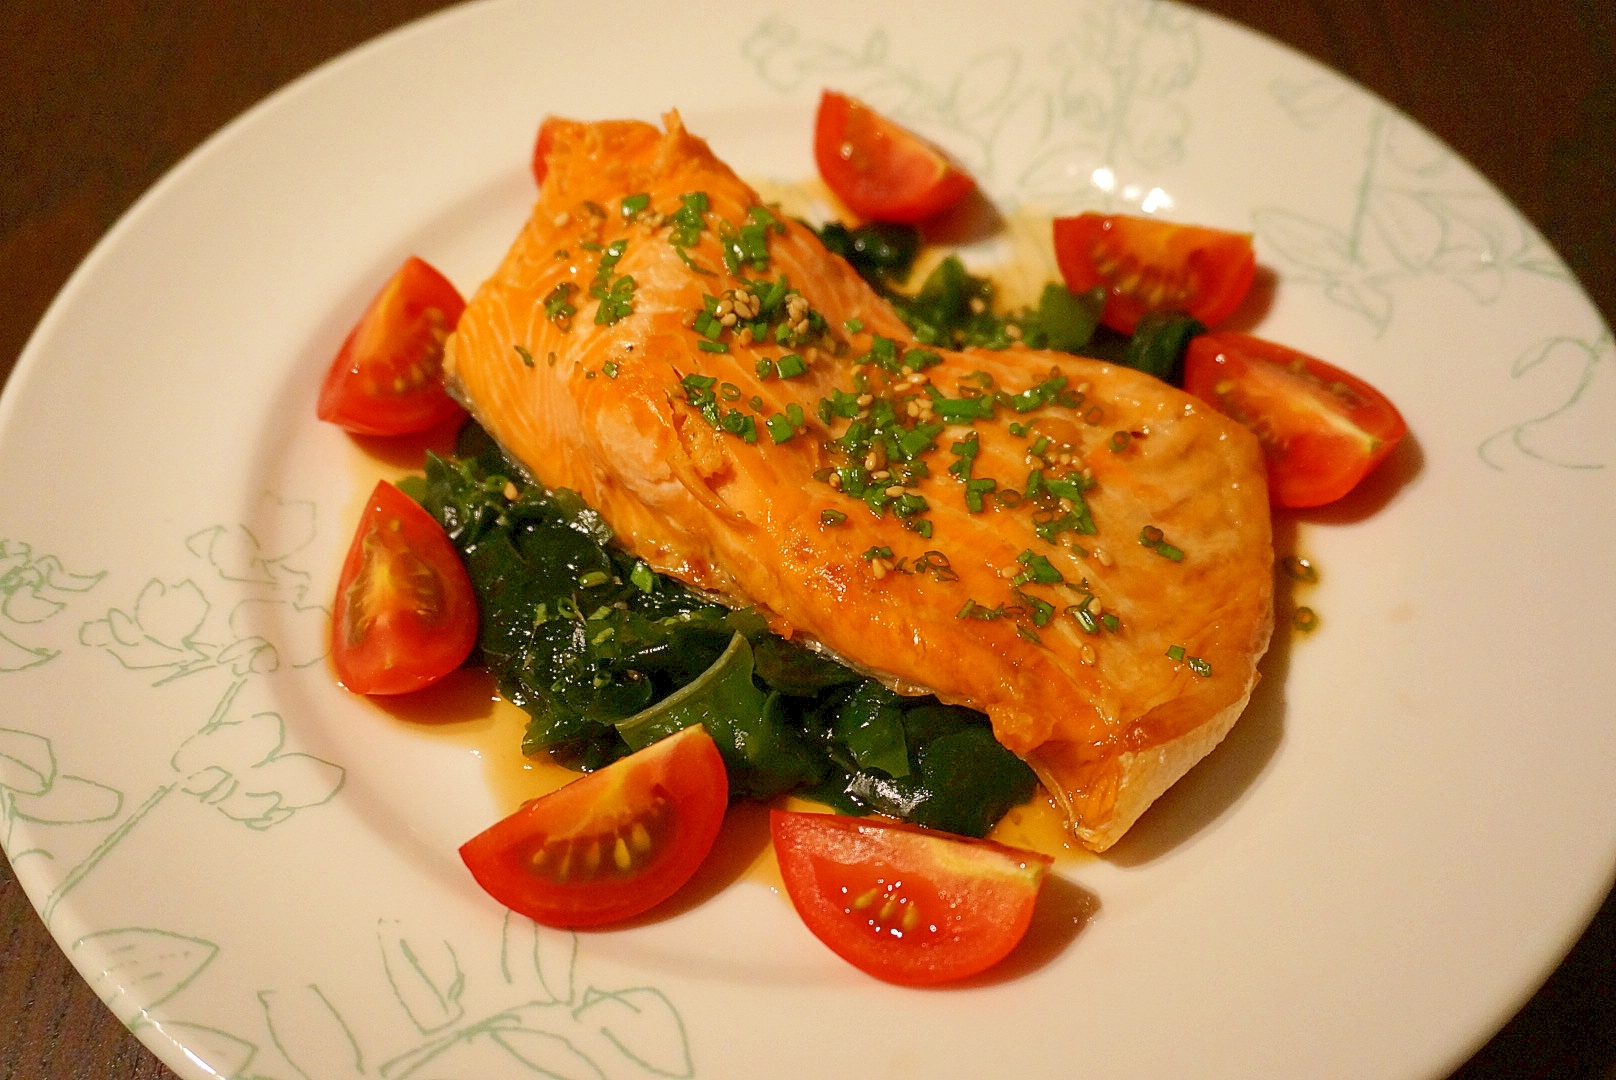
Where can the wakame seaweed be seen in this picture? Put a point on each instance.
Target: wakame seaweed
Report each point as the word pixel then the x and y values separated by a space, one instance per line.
pixel 605 656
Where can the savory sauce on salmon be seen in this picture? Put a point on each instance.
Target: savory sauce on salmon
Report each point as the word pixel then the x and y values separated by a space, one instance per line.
pixel 1074 548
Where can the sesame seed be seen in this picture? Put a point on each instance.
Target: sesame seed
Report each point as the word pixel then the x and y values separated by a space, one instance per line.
pixel 510 492
pixel 1088 654
pixel 1013 332
pixel 881 474
pixel 878 567
pixel 894 491
pixel 1102 557
pixel 727 319
pixel 836 481
pixel 865 400
pixel 1096 608
pixel 870 461
pixel 745 336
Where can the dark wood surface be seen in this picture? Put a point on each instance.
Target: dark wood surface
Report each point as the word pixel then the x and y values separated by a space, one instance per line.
pixel 98 98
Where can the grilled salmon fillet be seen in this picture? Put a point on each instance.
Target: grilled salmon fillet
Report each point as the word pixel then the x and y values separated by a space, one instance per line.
pixel 1076 549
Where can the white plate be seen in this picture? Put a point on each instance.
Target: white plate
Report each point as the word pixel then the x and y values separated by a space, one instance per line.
pixel 258 873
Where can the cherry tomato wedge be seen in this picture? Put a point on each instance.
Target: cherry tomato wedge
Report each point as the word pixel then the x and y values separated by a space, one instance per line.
pixel 405 614
pixel 1321 429
pixel 612 844
pixel 541 149
pixel 905 904
pixel 387 379
pixel 1149 265
pixel 882 171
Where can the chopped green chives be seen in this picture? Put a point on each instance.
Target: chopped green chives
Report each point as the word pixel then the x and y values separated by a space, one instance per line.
pixel 1085 618
pixel 779 428
pixel 558 306
pixel 708 326
pixel 527 357
pixel 974 610
pixel 711 346
pixel 765 368
pixel 633 204
pixel 909 504
pixel 975 489
pixel 738 423
pixel 593 578
pixel 642 578
pixel 965 450
pixel 1120 441
pixel 853 326
pixel 688 220
pixel 610 368
pixel 1175 652
pixel 791 365
pixel 882 552
pixel 1200 667
pixel 794 414
pixel 831 518
pixel 1041 610
pixel 1039 569
pixel 1152 537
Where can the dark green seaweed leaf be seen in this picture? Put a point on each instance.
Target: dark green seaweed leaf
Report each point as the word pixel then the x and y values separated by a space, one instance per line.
pixel 606 656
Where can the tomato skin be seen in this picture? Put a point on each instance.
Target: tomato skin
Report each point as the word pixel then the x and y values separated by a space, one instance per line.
pixel 1322 430
pixel 881 170
pixel 1149 265
pixel 387 379
pixel 405 613
pixel 541 149
pixel 959 905
pixel 660 807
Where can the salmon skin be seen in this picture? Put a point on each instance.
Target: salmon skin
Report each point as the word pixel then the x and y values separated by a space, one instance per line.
pixel 1076 549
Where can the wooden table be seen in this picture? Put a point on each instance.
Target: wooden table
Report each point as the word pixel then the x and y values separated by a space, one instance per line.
pixel 101 97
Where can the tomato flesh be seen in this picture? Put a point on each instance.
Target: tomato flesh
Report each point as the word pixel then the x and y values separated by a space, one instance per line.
pixel 881 170
pixel 612 844
pixel 1149 265
pixel 405 613
pixel 905 904
pixel 387 379
pixel 1322 430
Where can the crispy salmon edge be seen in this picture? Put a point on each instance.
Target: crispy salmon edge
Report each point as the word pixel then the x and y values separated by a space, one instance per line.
pixel 1147 774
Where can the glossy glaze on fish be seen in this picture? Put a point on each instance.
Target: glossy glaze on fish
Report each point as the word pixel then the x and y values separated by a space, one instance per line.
pixel 672 419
